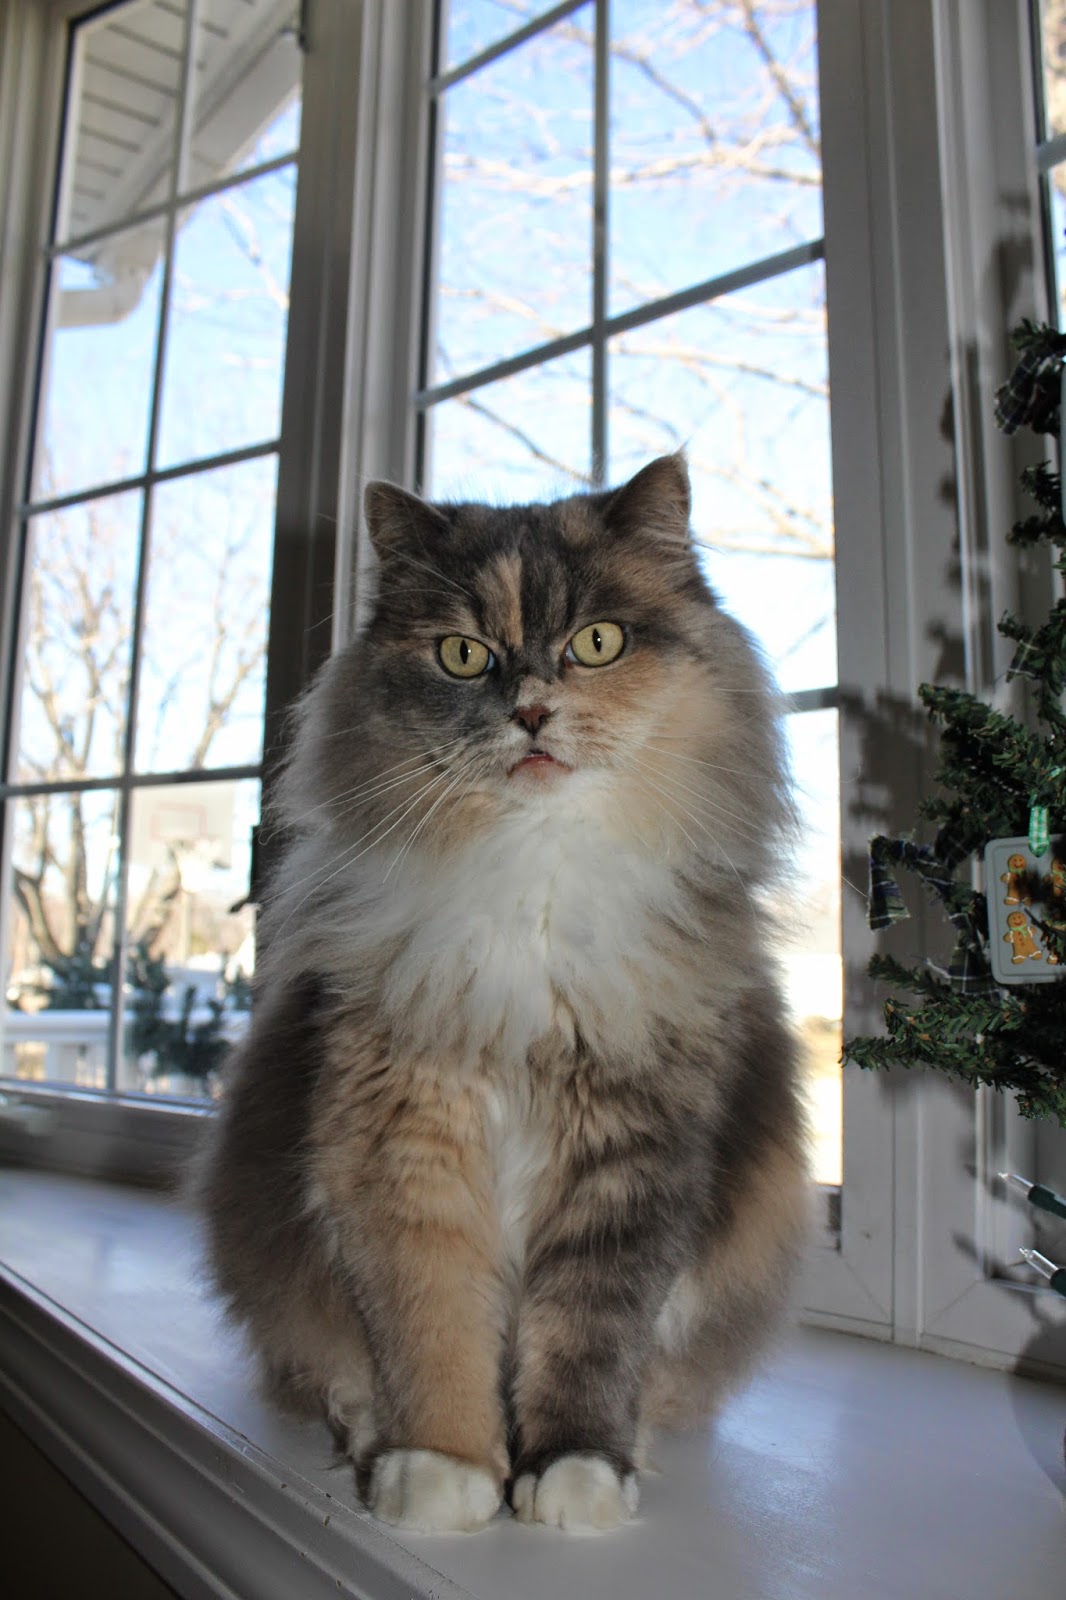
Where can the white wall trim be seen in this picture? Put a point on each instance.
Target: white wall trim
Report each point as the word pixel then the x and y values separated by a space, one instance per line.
pixel 213 1514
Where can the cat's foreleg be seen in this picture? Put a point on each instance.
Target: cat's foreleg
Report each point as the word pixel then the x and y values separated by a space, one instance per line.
pixel 421 1250
pixel 596 1277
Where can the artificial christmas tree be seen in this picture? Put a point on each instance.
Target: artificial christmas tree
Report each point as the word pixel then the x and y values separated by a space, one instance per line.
pixel 996 1014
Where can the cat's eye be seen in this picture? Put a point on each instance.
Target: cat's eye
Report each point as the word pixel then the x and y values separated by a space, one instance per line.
pixel 597 644
pixel 463 657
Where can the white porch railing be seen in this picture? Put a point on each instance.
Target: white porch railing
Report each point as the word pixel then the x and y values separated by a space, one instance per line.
pixel 70 1047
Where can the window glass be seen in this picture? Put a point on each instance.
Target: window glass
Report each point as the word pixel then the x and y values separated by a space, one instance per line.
pixel 97 399
pixel 474 25
pixel 206 613
pixel 190 934
pixel 508 439
pixel 516 202
pixel 122 122
pixel 163 353
pixel 229 306
pixel 77 639
pixel 1052 49
pixel 245 95
pixel 741 384
pixel 60 945
pixel 1049 44
pixel 811 956
pixel 714 140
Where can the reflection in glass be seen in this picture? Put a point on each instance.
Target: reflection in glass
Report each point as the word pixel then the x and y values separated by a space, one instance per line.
pixel 474 25
pixel 714 141
pixel 122 123
pixel 1054 61
pixel 226 333
pixel 742 384
pixel 246 91
pixel 207 611
pixel 57 967
pixel 76 638
pixel 515 210
pixel 811 958
pixel 1057 246
pixel 524 438
pixel 99 363
pixel 191 953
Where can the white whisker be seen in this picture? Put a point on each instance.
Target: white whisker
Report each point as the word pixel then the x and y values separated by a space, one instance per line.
pixel 423 566
pixel 373 793
pixel 399 592
pixel 404 848
pixel 678 825
pixel 704 801
pixel 365 790
pixel 715 766
pixel 715 841
pixel 347 858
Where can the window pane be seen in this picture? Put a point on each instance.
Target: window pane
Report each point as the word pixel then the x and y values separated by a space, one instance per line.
pixel 191 954
pixel 100 362
pixel 226 335
pixel 473 25
pixel 120 147
pixel 516 202
pixel 206 617
pixel 714 140
pixel 521 439
pixel 1054 63
pixel 812 956
pixel 246 88
pixel 75 643
pixel 742 384
pixel 60 938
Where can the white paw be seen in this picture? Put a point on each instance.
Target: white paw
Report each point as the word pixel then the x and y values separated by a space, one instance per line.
pixel 583 1494
pixel 431 1493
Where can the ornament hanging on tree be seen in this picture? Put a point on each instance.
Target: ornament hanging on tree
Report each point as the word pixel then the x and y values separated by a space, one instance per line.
pixel 1025 906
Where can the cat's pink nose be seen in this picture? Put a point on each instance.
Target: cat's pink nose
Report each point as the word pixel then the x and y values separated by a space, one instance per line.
pixel 531 717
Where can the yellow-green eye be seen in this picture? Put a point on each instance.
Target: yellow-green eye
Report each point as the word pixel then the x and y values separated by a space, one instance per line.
pixel 597 644
pixel 463 657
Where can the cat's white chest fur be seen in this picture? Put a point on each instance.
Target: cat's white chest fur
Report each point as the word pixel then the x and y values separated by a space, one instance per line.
pixel 545 920
pixel 520 1150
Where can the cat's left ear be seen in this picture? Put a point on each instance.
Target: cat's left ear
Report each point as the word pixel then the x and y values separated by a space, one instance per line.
pixel 656 503
pixel 399 520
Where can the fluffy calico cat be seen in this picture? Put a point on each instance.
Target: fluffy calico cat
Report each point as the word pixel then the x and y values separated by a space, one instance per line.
pixel 510 1166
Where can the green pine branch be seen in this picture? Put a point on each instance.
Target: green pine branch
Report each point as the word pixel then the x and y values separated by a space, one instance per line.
pixel 992 769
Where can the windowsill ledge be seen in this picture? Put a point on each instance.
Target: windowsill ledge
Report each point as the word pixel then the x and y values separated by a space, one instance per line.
pixel 848 1467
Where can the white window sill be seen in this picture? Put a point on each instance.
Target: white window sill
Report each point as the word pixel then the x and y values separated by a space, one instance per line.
pixel 849 1467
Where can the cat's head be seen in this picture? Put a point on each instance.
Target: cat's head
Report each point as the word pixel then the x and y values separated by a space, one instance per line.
pixel 567 655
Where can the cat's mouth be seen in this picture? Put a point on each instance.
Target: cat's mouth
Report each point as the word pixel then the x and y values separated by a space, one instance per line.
pixel 538 764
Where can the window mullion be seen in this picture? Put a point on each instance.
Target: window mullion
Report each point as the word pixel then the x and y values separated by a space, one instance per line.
pixel 600 239
pixel 120 952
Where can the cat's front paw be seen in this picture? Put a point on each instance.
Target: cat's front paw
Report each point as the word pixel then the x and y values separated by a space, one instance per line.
pixel 582 1493
pixel 431 1493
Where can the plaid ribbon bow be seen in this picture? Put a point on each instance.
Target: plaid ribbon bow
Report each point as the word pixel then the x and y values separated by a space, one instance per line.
pixel 886 901
pixel 1030 395
pixel 1028 661
pixel 968 969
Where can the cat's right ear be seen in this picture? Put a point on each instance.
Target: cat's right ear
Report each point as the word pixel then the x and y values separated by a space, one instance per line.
pixel 655 505
pixel 399 521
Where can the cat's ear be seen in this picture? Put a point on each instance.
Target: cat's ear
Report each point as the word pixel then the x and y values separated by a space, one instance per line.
pixel 656 503
pixel 398 520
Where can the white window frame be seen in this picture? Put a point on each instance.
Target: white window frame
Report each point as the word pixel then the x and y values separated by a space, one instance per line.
pixel 932 225
pixel 924 106
pixel 351 362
